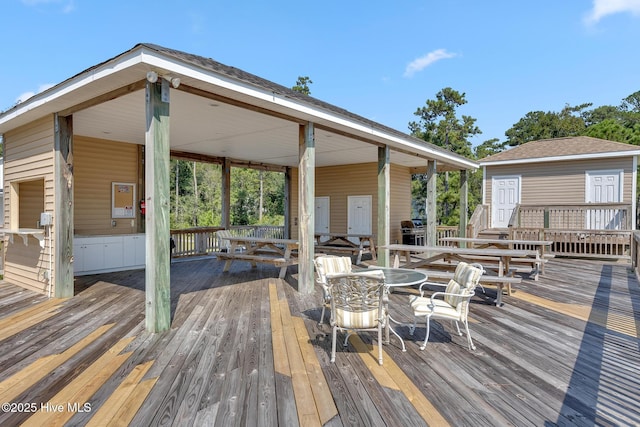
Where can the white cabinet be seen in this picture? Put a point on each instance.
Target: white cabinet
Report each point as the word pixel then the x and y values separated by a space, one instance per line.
pixel 101 254
pixel 113 258
pixel 93 256
pixel 134 249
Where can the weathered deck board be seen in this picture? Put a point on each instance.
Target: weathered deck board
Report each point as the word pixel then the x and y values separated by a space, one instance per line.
pixel 563 350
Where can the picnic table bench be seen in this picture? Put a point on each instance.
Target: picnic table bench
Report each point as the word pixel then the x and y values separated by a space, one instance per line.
pixel 344 243
pixel 278 252
pixel 500 282
pixel 498 259
pixel 478 242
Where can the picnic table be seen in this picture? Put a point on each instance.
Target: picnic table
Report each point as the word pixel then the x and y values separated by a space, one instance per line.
pixel 344 242
pixel 498 259
pixel 279 252
pixel 476 242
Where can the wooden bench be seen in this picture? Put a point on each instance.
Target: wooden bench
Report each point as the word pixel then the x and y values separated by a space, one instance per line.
pixel 524 265
pixel 277 261
pixel 488 264
pixel 339 249
pixel 500 282
pixel 340 243
pixel 278 252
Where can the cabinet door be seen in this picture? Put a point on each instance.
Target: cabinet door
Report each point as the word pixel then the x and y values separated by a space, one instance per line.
pixel 134 247
pixel 140 247
pixel 93 256
pixel 113 256
pixel 78 258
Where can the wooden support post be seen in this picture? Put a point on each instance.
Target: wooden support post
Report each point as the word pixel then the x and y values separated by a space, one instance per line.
pixel 384 196
pixel 432 221
pixel 63 213
pixel 226 193
pixel 141 187
pixel 306 208
pixel 157 273
pixel 287 203
pixel 464 203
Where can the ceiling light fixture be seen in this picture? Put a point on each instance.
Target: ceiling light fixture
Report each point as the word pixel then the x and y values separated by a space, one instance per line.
pixel 152 76
pixel 175 81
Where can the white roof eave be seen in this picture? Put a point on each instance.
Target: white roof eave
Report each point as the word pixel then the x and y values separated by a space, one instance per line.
pixel 590 156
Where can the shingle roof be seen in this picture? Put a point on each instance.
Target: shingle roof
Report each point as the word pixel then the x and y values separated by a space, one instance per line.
pixel 561 147
pixel 252 79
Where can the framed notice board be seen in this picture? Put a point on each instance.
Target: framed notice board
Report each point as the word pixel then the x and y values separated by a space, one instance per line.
pixel 123 200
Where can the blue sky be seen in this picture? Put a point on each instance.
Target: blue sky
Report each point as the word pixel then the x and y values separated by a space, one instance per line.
pixel 379 59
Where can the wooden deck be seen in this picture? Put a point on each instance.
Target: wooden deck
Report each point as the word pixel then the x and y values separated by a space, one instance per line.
pixel 244 349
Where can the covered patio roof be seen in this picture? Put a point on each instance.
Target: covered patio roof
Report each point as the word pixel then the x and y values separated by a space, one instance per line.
pixel 220 111
pixel 220 114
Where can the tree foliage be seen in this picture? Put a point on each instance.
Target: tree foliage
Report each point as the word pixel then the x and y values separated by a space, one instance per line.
pixel 616 123
pixel 302 85
pixel 439 124
pixel 537 125
pixel 257 197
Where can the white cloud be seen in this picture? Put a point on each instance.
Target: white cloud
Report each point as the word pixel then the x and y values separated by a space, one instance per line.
pixel 68 6
pixel 198 24
pixel 26 95
pixel 423 62
pixel 23 97
pixel 602 8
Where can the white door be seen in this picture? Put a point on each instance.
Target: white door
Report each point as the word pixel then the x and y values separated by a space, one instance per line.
pixel 604 187
pixel 359 215
pixel 505 197
pixel 321 215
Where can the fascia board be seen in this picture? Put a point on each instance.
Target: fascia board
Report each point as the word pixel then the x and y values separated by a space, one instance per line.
pixel 590 156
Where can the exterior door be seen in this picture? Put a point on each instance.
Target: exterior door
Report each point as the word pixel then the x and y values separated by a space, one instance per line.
pixel 604 187
pixel 322 215
pixel 359 215
pixel 505 197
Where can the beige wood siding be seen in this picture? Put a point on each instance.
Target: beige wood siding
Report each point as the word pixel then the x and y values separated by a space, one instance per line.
pixel 31 203
pixel 559 182
pixel 29 190
pixel 98 163
pixel 339 182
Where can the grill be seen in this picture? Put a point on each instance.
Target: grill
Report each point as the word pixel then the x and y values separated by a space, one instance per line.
pixel 413 232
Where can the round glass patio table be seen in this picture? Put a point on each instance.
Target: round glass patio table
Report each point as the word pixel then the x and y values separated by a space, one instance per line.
pixel 397 277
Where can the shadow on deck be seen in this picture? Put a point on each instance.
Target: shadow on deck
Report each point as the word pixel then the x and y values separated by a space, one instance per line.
pixel 245 349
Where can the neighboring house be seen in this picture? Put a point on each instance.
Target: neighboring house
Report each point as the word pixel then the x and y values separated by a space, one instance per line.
pixel 2 189
pixel 561 171
pixel 89 150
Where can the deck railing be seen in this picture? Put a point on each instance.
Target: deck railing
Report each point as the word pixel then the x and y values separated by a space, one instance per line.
pixel 615 244
pixel 202 240
pixel 446 231
pixel 635 252
pixel 479 221
pixel 195 241
pixel 579 216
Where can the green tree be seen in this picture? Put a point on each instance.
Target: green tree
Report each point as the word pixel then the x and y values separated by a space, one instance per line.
pixel 488 148
pixel 537 125
pixel 196 195
pixel 302 85
pixel 439 124
pixel 631 103
pixel 613 130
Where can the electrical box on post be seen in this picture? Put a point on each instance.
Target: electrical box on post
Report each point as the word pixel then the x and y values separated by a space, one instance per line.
pixel 46 219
